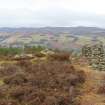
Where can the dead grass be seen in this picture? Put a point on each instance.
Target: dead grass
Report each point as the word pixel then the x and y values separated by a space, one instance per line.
pixel 42 83
pixel 90 89
pixel 55 81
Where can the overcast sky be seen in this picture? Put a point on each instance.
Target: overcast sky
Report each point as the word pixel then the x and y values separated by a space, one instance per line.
pixel 42 13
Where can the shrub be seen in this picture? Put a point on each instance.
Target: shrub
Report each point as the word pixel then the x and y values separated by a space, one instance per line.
pixel 59 56
pixel 10 51
pixel 34 49
pixel 24 63
pixel 8 102
pixel 42 83
pixel 16 79
pixel 101 89
pixel 9 69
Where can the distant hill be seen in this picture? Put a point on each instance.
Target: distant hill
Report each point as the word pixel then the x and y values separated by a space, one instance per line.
pixel 52 37
pixel 58 30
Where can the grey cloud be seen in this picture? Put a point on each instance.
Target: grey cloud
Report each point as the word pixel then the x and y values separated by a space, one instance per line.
pixel 48 17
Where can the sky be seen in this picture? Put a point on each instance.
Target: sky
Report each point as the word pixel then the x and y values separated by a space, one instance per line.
pixel 55 13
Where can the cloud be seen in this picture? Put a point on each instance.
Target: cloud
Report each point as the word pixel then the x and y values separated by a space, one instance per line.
pixel 38 13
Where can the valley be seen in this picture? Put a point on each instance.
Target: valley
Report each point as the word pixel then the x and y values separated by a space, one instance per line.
pixel 55 38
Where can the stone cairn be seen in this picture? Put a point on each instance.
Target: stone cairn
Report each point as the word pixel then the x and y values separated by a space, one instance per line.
pixel 95 55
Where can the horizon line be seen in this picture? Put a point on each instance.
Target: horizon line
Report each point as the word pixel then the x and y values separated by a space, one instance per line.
pixel 54 27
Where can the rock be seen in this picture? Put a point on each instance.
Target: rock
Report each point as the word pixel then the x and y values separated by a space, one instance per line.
pixel 95 54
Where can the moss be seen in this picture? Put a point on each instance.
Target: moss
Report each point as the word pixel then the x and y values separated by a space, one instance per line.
pixel 1 82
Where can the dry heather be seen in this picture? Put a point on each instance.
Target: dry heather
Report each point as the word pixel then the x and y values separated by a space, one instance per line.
pixel 101 89
pixel 59 56
pixel 92 89
pixel 44 83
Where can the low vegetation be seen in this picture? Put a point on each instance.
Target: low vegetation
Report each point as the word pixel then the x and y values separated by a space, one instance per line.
pixel 101 89
pixel 13 51
pixel 56 80
pixel 34 49
pixel 59 56
pixel 10 51
pixel 44 83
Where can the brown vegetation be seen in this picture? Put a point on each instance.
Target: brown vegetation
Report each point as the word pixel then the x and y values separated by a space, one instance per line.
pixel 59 56
pixel 44 83
pixel 101 89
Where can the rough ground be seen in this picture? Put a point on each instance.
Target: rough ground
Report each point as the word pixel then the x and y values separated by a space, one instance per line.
pixel 42 83
pixel 93 82
pixel 50 83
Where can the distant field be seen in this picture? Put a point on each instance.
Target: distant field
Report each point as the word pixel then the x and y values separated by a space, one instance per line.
pixel 63 40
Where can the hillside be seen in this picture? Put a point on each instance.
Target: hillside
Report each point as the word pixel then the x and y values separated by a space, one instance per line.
pixel 62 80
pixel 57 30
pixel 51 37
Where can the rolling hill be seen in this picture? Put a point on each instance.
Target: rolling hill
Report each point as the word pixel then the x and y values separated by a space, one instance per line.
pixel 52 37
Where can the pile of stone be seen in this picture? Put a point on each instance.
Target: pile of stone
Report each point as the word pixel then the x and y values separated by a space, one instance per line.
pixel 95 54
